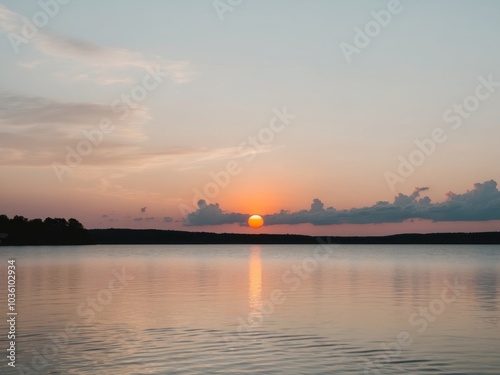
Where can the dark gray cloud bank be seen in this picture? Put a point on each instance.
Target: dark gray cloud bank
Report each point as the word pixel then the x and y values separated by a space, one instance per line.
pixel 482 203
pixel 211 214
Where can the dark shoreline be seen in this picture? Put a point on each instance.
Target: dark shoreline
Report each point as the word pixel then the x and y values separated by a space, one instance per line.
pixel 65 236
pixel 152 236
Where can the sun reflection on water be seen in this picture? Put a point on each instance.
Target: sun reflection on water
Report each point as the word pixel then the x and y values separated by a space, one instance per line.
pixel 255 281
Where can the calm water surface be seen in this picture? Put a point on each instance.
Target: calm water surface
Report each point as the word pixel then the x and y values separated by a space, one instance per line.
pixel 245 309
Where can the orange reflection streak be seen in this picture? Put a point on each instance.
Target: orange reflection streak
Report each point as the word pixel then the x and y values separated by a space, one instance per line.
pixel 255 281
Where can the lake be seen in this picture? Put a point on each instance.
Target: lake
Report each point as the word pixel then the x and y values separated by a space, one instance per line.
pixel 255 309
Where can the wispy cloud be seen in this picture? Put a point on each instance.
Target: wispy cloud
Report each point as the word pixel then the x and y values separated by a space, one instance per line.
pixel 36 131
pixel 109 64
pixel 18 111
pixel 479 204
pixel 31 64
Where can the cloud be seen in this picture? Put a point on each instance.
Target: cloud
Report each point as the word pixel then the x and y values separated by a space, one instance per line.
pixel 31 122
pixel 167 219
pixel 143 209
pixel 151 218
pixel 211 214
pixel 479 204
pixel 19 113
pixel 31 64
pixel 105 63
pixel 36 131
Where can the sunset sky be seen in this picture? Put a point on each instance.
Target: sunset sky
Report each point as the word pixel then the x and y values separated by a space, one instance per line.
pixel 193 115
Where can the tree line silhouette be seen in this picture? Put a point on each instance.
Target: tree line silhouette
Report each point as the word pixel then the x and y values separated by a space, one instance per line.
pixel 51 231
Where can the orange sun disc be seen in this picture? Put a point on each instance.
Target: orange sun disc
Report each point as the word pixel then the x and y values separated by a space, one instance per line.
pixel 255 221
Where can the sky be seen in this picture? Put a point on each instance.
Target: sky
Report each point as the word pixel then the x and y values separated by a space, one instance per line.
pixel 325 117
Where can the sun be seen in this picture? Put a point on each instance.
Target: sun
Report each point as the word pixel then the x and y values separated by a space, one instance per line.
pixel 255 221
